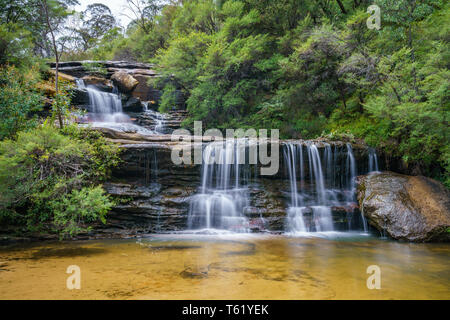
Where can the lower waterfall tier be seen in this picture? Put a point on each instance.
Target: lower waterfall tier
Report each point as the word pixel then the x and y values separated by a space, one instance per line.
pixel 159 196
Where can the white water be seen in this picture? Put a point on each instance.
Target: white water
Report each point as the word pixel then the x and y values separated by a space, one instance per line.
pixel 373 161
pixel 222 199
pixel 301 203
pixel 105 111
pixel 329 182
pixel 159 119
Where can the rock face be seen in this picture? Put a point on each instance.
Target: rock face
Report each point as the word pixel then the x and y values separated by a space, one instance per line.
pixel 172 120
pixel 101 83
pixel 124 81
pixel 412 208
pixel 143 87
pixel 80 97
pixel 155 194
pixel 63 76
pixel 132 104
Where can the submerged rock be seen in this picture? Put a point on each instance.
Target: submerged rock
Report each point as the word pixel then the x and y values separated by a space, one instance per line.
pixel 412 208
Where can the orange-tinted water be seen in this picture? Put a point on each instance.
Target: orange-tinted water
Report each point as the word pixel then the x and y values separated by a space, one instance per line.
pixel 226 267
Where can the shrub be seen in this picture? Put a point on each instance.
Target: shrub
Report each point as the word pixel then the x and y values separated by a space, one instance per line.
pixel 50 179
pixel 19 99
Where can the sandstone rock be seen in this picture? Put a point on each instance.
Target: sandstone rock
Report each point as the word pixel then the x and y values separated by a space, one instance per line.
pixel 412 208
pixel 80 97
pixel 101 83
pixel 144 90
pixel 132 104
pixel 124 81
pixel 62 76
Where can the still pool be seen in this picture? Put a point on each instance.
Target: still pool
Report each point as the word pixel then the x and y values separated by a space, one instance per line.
pixel 226 266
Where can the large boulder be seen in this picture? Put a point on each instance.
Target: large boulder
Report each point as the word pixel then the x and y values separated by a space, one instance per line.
pixel 412 208
pixel 125 82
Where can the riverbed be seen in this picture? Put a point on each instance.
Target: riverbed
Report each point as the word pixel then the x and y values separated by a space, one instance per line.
pixel 227 266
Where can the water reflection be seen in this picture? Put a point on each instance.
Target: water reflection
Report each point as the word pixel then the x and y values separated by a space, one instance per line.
pixel 227 266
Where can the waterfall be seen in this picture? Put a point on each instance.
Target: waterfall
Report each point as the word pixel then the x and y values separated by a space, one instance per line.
pixel 373 160
pixel 105 110
pixel 309 210
pixel 158 118
pixel 104 106
pixel 327 181
pixel 222 199
pixel 316 171
pixel 351 171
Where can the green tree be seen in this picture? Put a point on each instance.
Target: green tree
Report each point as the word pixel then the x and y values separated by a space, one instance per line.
pixel 19 99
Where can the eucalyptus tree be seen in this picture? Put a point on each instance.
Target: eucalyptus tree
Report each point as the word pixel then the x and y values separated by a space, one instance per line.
pixel 96 21
pixel 144 13
pixel 54 15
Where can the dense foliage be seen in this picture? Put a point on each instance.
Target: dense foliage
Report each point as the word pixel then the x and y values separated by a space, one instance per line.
pixel 19 97
pixel 49 178
pixel 50 174
pixel 309 68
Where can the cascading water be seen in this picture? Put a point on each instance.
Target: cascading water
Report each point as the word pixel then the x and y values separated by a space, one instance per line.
pixel 302 204
pixel 104 106
pixel 158 118
pixel 373 160
pixel 105 110
pixel 222 198
pixel 326 182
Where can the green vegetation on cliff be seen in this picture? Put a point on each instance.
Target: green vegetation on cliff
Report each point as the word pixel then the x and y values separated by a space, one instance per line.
pixel 50 175
pixel 308 68
pixel 50 179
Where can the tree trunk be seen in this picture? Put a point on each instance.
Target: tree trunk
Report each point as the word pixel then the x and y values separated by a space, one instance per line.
pixel 396 94
pixel 55 49
pixel 341 5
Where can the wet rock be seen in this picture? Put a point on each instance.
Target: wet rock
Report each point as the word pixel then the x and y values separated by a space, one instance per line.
pixel 190 273
pixel 174 247
pixel 132 104
pixel 412 208
pixel 80 97
pixel 125 82
pixel 172 120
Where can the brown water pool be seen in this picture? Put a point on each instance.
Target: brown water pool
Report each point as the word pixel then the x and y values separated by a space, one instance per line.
pixel 187 266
